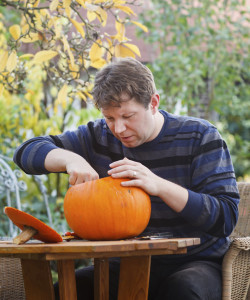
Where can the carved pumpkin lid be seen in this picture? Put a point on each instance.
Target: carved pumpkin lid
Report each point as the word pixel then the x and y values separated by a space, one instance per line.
pixel 22 220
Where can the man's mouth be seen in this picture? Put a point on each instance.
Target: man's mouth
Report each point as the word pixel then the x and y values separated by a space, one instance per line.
pixel 125 138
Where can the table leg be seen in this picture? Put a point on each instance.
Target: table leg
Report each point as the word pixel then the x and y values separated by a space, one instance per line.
pixel 37 279
pixel 101 287
pixel 66 279
pixel 134 278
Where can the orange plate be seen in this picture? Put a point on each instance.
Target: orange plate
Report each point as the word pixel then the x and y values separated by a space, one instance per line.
pixel 45 233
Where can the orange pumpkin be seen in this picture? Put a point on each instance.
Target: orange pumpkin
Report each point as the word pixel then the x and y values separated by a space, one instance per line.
pixel 102 209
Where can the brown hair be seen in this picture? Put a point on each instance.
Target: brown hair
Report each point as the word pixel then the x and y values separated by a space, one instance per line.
pixel 125 76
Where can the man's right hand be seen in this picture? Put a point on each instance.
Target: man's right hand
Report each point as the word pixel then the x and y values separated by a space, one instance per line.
pixel 79 170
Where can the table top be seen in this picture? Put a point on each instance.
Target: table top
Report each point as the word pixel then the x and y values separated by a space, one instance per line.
pixel 96 249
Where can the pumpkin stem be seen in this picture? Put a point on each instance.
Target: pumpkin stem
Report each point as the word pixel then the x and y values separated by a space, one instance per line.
pixel 27 233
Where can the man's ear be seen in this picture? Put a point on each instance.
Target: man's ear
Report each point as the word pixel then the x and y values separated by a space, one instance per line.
pixel 154 103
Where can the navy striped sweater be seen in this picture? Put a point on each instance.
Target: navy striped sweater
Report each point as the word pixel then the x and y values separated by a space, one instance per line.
pixel 187 151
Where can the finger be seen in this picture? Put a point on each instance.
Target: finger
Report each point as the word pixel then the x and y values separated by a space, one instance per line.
pixel 122 162
pixel 133 182
pixel 119 169
pixel 89 177
pixel 134 174
pixel 122 174
pixel 116 163
pixel 79 179
pixel 72 178
pixel 125 174
pixel 95 176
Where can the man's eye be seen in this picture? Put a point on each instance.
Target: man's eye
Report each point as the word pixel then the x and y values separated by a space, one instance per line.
pixel 109 119
pixel 127 117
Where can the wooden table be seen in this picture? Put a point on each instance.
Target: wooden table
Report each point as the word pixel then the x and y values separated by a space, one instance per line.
pixel 134 270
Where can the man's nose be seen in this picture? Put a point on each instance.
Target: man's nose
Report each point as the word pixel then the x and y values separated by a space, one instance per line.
pixel 119 126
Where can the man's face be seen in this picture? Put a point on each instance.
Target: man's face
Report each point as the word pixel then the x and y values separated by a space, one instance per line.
pixel 131 122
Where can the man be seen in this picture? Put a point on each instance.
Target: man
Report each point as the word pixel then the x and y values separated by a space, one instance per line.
pixel 181 162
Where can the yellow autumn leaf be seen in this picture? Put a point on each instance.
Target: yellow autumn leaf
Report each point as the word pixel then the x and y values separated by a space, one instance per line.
pixel 88 94
pixel 10 79
pixel 51 23
pixel 71 57
pixel 36 3
pixel 3 60
pixel 98 1
pixel 78 27
pixel 15 31
pixel 82 96
pixel 53 5
pixel 3 74
pixel 121 51
pixel 66 3
pixel 91 15
pixel 119 2
pixel 63 92
pixel 109 40
pixel 102 16
pixel 44 55
pixel 58 29
pixel 11 62
pixel 125 9
pixel 95 52
pixel 62 95
pixel 25 28
pixel 26 56
pixel 120 28
pixel 30 38
pixel 74 71
pixel 133 48
pixel 99 63
pixel 68 12
pixel 45 13
pixel 143 27
pixel 65 44
pixel 38 21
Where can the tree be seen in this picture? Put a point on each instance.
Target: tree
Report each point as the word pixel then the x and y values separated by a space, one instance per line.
pixel 202 63
pixel 66 38
pixel 48 51
pixel 202 51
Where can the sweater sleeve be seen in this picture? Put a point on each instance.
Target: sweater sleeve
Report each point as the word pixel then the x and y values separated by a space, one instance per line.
pixel 30 156
pixel 213 197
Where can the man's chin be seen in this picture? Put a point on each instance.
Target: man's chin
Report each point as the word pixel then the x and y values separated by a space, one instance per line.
pixel 130 142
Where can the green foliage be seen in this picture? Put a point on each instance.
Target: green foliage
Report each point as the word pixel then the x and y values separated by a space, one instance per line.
pixel 56 184
pixel 202 64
